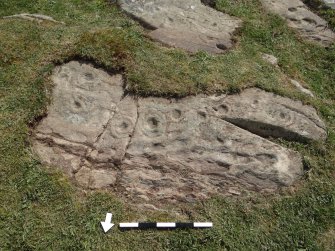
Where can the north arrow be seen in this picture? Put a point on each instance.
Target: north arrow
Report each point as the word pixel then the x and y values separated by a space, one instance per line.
pixel 107 224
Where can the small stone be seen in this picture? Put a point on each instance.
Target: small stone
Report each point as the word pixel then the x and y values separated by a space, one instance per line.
pixel 270 59
pixel 143 197
pixel 150 207
pixel 102 178
pixel 233 191
pixel 83 177
pixel 330 3
pixel 301 88
pixel 33 17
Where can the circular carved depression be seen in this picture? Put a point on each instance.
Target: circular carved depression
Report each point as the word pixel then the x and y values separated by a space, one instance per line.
pixel 121 126
pixel 79 103
pixel 153 123
pixel 176 114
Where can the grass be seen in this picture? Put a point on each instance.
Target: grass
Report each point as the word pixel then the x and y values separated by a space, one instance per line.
pixel 41 210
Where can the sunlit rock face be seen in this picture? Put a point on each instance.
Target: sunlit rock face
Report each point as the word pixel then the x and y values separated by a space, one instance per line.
pixel 156 149
pixel 186 24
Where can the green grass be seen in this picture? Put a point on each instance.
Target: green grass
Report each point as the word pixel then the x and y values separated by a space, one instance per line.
pixel 41 210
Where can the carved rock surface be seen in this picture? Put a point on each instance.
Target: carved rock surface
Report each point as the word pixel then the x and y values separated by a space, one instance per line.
pixel 84 99
pixel 155 149
pixel 186 24
pixel 299 17
pixel 268 114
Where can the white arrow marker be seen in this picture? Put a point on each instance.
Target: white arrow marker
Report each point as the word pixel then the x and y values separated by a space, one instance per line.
pixel 107 224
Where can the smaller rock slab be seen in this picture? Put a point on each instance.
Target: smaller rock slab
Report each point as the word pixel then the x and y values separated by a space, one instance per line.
pixel 186 24
pixel 84 99
pixel 299 17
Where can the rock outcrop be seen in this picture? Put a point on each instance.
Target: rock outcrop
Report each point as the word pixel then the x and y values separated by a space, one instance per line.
pixel 267 114
pixel 299 17
pixel 155 149
pixel 186 24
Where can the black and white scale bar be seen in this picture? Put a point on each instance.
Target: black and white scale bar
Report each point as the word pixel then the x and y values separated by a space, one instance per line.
pixel 164 225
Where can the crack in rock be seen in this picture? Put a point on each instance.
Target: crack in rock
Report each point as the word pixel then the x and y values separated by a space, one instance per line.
pixel 133 131
pixel 160 150
pixel 113 143
pixel 299 17
pixel 186 24
pixel 83 100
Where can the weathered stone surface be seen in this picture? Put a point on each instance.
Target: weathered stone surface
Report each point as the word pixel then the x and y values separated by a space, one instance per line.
pixel 55 156
pixel 95 179
pixel 84 99
pixel 267 114
pixel 170 150
pixel 299 17
pixel 179 148
pixel 186 24
pixel 33 17
pixel 111 146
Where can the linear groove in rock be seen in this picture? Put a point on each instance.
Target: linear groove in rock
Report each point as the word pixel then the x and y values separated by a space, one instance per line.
pixel 168 150
pixel 133 132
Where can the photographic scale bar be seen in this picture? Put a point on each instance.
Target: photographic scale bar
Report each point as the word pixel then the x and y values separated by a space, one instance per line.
pixel 164 225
